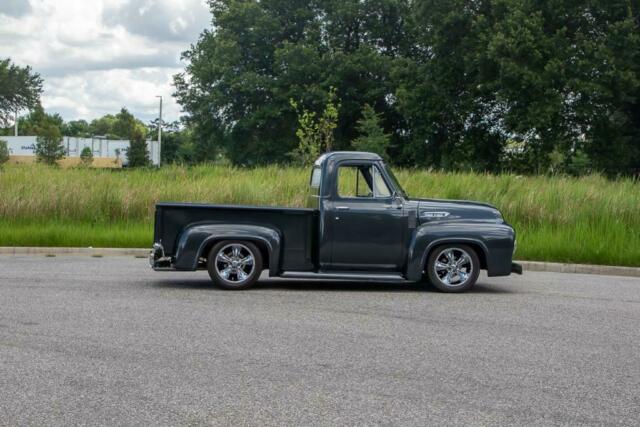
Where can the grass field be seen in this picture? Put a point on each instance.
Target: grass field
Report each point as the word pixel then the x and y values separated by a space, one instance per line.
pixel 586 220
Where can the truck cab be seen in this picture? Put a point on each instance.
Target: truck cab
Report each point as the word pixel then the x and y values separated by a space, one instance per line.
pixel 363 214
pixel 359 224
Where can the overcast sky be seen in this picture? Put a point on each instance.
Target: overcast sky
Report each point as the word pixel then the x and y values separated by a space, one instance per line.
pixel 97 56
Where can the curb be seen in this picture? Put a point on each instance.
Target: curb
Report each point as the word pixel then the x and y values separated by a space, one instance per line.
pixel 94 252
pixel 553 267
pixel 605 270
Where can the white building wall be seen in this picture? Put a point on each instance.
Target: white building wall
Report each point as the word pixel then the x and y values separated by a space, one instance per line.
pixel 26 145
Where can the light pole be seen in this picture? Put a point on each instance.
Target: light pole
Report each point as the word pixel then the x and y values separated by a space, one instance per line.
pixel 160 132
pixel 16 124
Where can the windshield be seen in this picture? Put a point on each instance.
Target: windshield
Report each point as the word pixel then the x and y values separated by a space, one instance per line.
pixel 395 182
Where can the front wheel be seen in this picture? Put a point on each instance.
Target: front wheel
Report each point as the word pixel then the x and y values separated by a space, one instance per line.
pixel 453 268
pixel 234 264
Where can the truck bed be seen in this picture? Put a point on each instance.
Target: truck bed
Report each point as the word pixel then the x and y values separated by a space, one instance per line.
pixel 298 227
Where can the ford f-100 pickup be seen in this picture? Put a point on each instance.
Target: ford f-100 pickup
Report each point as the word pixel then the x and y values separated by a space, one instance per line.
pixel 359 224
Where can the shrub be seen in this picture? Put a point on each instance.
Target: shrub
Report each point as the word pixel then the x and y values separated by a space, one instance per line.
pixel 4 152
pixel 86 157
pixel 48 146
pixel 315 134
pixel 137 153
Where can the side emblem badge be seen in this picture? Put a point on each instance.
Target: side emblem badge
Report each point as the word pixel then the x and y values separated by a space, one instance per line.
pixel 434 214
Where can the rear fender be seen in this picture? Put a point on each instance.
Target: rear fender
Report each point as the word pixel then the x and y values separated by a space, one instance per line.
pixel 195 240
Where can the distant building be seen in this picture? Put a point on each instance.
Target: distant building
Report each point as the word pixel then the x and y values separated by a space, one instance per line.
pixel 22 149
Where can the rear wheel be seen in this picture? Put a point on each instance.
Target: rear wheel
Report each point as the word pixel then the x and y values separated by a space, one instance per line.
pixel 453 268
pixel 234 264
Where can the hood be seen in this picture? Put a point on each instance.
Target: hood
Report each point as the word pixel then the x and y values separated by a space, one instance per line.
pixel 453 210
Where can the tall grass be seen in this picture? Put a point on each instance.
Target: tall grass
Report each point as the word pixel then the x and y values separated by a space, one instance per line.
pixel 589 219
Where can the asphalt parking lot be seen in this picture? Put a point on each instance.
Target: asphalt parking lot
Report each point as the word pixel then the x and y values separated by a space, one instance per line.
pixel 106 341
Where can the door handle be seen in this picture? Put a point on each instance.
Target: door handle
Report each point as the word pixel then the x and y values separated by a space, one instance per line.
pixel 342 208
pixel 393 206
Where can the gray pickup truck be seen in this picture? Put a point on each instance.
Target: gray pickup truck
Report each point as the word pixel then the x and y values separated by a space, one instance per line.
pixel 359 224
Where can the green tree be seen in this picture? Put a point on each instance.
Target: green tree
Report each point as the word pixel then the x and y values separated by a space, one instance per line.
pixel 186 153
pixel 559 78
pixel 4 152
pixel 449 116
pixel 49 148
pixel 177 142
pixel 315 135
pixel 372 137
pixel 20 88
pixel 240 78
pixel 125 124
pixel 456 83
pixel 309 137
pixel 78 128
pixel 86 157
pixel 103 126
pixel 32 122
pixel 137 152
pixel 119 126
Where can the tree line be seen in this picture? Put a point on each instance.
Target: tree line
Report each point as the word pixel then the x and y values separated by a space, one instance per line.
pixel 530 86
pixel 20 90
pixel 50 129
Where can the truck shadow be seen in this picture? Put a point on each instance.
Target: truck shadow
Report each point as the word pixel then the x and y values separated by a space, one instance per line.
pixel 327 286
pixel 339 286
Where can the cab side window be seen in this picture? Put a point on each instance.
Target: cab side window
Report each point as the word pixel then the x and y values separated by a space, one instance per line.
pixel 352 182
pixel 361 181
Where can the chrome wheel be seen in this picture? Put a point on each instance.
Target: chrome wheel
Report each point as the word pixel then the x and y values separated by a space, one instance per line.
pixel 453 267
pixel 235 263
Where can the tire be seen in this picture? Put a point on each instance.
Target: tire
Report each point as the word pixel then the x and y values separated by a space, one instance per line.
pixel 226 267
pixel 448 274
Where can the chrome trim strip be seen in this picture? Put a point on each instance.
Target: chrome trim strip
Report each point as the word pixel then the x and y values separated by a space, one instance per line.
pixel 343 276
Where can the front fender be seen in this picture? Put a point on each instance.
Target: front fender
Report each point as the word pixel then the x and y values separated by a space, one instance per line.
pixel 495 240
pixel 195 239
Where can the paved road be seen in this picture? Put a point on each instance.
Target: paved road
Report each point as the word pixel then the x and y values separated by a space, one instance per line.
pixel 107 341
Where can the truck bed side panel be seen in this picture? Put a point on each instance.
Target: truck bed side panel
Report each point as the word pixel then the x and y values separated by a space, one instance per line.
pixel 298 227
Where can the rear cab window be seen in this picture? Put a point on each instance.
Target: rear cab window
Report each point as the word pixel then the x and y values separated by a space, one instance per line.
pixel 316 174
pixel 316 178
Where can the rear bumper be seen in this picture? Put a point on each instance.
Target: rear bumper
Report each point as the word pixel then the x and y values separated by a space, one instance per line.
pixel 157 259
pixel 516 268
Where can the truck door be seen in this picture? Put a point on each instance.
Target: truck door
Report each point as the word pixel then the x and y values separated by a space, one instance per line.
pixel 366 225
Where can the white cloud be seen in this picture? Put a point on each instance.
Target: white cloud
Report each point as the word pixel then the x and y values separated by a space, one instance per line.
pixel 92 94
pixel 98 56
pixel 159 19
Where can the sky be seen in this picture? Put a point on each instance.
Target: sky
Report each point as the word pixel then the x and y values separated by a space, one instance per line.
pixel 97 56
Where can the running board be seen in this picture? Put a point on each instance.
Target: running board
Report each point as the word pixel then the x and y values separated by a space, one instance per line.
pixel 355 276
